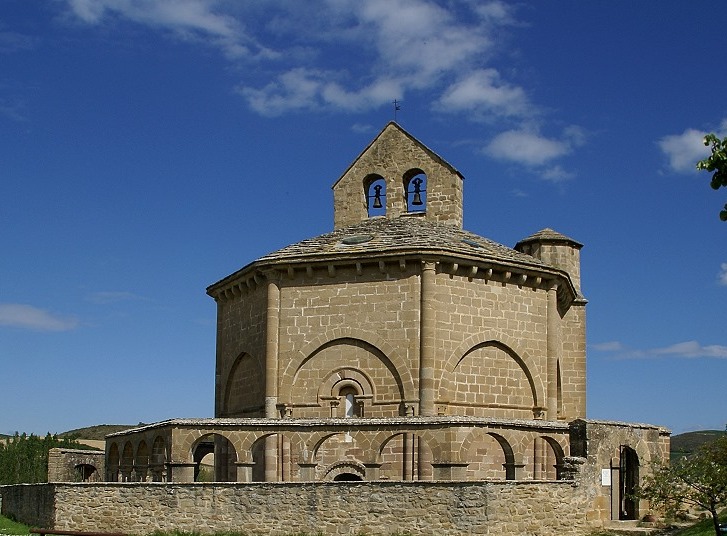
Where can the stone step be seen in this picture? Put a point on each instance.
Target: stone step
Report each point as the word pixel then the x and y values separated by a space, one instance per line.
pixel 633 528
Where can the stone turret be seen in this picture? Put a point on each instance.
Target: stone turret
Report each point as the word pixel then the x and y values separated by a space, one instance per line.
pixel 397 175
pixel 557 250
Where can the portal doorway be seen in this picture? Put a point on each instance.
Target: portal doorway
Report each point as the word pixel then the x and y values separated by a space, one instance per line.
pixel 628 482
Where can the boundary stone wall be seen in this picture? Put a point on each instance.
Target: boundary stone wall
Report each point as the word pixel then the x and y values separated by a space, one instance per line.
pixel 443 508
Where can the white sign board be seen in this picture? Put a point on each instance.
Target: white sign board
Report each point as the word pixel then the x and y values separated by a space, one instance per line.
pixel 605 477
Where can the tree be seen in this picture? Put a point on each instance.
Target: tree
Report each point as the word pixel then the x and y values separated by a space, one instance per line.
pixel 698 480
pixel 24 458
pixel 716 163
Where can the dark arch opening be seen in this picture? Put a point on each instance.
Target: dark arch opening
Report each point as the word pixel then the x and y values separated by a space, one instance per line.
pixel 85 471
pixel 375 192
pixel 347 477
pixel 629 481
pixel 415 187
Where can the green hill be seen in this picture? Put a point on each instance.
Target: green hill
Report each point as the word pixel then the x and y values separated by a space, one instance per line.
pixel 685 444
pixel 98 432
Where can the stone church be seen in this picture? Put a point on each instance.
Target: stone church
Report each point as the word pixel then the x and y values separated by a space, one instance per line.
pixel 400 347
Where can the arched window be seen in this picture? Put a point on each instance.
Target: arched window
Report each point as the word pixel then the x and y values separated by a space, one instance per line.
pixel 375 191
pixel 350 404
pixel 415 186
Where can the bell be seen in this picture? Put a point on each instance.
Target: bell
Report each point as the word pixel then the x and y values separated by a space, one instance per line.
pixel 377 196
pixel 417 201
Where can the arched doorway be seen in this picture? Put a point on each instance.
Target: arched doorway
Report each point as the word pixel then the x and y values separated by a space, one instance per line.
pixel 86 472
pixel 214 457
pixel 628 482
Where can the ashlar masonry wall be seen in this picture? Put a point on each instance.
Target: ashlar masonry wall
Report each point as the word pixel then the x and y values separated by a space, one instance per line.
pixel 453 508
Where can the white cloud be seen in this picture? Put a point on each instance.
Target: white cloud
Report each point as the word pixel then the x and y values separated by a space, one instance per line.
pixel 691 349
pixel 485 93
pixel 355 56
pixel 297 89
pixel 419 37
pixel 398 45
pixel 360 128
pixel 723 274
pixel 556 174
pixel 611 346
pixel 687 349
pixel 531 149
pixel 683 150
pixel 188 19
pixel 29 317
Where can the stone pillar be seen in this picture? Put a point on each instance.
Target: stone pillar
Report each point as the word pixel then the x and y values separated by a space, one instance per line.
pixel 244 471
pixel 307 471
pixel 271 373
pixel 450 470
pixel 427 341
pixel 271 347
pixel 424 460
pixel 285 474
pixel 615 489
pixel 518 471
pixel 554 346
pixel 271 458
pixel 406 448
pixel 334 408
pixel 180 472
pixel 372 470
pixel 538 458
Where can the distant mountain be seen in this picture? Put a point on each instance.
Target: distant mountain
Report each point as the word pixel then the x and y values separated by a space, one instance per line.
pixel 685 444
pixel 98 432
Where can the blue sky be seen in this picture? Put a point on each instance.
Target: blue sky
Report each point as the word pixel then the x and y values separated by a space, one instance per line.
pixel 150 148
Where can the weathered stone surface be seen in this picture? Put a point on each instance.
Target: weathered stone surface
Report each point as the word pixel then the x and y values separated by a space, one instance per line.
pixel 446 508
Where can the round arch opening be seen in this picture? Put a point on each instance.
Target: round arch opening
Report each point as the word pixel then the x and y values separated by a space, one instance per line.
pixel 347 477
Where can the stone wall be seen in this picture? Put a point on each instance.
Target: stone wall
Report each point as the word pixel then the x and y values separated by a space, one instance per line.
pixel 393 156
pixel 542 508
pixel 76 465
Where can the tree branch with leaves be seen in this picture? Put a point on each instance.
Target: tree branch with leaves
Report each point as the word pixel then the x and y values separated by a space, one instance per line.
pixel 699 480
pixel 716 164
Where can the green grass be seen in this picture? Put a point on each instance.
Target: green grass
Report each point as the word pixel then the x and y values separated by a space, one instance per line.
pixel 703 528
pixel 8 526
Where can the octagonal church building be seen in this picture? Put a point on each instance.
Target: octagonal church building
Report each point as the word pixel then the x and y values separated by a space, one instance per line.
pixel 400 347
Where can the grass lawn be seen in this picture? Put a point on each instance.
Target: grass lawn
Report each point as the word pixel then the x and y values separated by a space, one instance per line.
pixel 703 528
pixel 11 527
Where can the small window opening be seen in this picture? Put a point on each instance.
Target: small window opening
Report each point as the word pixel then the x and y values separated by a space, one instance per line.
pixel 376 196
pixel 416 192
pixel 351 407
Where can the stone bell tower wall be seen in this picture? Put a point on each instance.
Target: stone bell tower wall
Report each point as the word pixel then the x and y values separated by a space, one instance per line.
pixel 396 156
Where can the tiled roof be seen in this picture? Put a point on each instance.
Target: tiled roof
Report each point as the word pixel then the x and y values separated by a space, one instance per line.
pixel 406 234
pixel 549 235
